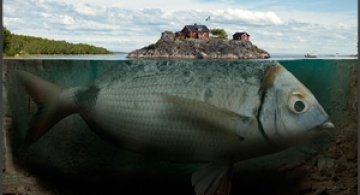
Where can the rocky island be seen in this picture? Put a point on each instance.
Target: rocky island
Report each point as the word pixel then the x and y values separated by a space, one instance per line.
pixel 181 45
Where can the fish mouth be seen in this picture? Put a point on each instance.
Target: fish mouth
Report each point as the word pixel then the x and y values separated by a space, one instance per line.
pixel 326 125
pixel 324 129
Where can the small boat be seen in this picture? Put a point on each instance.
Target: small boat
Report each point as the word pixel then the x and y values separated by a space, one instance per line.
pixel 310 55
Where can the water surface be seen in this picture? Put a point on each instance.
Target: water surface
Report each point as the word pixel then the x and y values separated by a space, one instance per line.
pixel 122 56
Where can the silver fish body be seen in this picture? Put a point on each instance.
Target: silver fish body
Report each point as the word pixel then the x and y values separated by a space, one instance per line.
pixel 189 112
pixel 185 113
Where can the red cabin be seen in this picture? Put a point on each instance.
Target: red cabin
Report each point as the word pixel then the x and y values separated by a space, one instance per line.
pixel 241 36
pixel 194 31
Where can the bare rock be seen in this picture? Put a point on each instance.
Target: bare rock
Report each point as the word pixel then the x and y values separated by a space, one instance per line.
pixel 169 47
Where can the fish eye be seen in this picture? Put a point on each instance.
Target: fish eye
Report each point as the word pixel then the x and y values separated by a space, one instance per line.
pixel 297 105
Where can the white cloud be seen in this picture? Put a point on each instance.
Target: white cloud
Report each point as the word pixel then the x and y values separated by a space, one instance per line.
pixel 86 9
pixel 248 16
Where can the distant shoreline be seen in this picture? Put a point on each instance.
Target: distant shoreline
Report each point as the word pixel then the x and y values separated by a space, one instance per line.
pixel 15 45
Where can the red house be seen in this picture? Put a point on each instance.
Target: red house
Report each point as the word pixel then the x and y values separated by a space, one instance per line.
pixel 241 36
pixel 194 31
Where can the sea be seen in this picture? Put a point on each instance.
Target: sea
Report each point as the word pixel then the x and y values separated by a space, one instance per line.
pixel 72 153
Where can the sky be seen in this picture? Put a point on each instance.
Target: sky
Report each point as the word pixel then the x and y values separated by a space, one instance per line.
pixel 278 26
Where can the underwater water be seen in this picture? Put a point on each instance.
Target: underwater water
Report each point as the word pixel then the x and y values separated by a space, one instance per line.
pixel 71 150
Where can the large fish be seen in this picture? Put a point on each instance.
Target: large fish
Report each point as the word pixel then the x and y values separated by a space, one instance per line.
pixel 188 113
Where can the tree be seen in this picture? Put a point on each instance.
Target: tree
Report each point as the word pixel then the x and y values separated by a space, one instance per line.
pixel 218 33
pixel 7 38
pixel 20 44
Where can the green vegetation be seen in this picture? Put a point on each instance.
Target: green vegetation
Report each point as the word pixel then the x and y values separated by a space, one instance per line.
pixel 26 45
pixel 218 33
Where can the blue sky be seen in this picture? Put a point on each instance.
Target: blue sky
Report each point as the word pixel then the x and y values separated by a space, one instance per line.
pixel 292 26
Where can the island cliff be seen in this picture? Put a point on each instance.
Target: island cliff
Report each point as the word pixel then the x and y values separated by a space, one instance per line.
pixel 173 48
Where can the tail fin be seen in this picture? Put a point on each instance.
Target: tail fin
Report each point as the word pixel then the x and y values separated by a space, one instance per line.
pixel 50 109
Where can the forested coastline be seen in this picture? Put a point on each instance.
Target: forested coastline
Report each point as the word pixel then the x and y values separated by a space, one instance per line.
pixel 17 45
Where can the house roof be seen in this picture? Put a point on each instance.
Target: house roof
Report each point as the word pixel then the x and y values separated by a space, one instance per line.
pixel 241 33
pixel 196 27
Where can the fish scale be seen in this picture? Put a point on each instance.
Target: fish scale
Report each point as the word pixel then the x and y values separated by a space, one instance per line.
pixel 135 102
pixel 219 96
pixel 146 126
pixel 140 87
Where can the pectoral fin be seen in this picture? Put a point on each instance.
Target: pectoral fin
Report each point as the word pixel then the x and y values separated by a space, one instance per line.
pixel 214 179
pixel 215 117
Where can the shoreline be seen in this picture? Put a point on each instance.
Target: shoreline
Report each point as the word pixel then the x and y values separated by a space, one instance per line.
pixel 123 56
